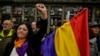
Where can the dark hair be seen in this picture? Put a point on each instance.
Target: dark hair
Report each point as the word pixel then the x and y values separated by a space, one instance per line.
pixel 30 33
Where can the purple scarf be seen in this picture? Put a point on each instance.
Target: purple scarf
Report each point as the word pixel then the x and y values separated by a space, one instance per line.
pixel 21 51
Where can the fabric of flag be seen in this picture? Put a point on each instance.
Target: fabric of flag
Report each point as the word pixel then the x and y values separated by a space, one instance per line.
pixel 72 38
pixel 47 46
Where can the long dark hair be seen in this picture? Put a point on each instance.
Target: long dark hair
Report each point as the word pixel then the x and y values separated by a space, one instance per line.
pixel 30 33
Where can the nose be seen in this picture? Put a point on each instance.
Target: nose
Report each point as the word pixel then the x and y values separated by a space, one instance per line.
pixel 21 30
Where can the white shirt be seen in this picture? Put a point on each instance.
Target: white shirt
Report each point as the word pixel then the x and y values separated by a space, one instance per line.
pixel 14 53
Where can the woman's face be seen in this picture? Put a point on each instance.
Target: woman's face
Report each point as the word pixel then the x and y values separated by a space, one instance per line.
pixel 22 31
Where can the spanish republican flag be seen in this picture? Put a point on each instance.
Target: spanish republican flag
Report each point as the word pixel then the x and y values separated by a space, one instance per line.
pixel 72 38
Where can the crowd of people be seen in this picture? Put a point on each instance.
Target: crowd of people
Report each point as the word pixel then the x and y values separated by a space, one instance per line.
pixel 94 39
pixel 25 38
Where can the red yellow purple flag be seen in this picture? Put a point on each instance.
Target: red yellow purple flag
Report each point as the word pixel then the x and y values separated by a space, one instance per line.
pixel 72 38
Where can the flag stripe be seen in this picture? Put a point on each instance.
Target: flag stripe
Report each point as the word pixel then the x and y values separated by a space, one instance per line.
pixel 72 38
pixel 79 24
pixel 65 44
pixel 47 46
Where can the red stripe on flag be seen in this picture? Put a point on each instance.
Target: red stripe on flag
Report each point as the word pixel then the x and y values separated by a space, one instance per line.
pixel 79 24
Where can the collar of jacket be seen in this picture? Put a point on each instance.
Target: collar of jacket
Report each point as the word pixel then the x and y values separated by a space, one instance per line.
pixel 9 34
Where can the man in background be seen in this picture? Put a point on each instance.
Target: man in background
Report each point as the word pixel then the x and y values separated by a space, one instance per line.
pixel 5 34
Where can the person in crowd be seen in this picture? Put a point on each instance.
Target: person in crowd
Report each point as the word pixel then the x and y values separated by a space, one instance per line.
pixel 23 42
pixel 7 28
pixel 53 28
pixel 5 34
pixel 93 35
pixel 34 28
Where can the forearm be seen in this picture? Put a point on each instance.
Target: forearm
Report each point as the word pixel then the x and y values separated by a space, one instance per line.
pixel 43 29
pixel 44 15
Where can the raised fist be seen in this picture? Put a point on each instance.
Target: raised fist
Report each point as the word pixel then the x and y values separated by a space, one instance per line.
pixel 42 9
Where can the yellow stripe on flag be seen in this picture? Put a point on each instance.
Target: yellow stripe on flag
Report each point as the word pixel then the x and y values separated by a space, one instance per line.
pixel 72 38
pixel 65 43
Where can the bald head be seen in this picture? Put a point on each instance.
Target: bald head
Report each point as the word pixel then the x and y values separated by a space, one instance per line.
pixel 7 25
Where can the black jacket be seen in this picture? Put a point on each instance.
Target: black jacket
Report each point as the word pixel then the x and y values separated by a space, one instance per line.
pixel 98 42
pixel 34 42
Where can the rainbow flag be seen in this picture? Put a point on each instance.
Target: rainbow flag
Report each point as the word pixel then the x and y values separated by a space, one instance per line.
pixel 71 39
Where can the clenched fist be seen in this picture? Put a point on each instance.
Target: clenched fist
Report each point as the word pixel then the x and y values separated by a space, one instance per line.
pixel 42 9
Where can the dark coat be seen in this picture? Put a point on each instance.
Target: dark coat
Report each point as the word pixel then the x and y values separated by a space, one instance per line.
pixel 34 42
pixel 98 42
pixel 4 41
pixel 93 47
